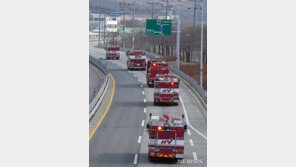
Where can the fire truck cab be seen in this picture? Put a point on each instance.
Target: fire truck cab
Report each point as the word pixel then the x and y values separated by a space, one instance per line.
pixel 166 137
pixel 112 52
pixel 136 60
pixel 166 89
pixel 155 66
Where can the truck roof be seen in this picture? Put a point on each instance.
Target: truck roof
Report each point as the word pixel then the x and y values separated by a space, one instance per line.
pixel 166 119
pixel 166 77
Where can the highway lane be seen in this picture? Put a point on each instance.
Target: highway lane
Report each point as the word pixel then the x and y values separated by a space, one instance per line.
pixel 115 141
pixel 195 139
pixel 95 82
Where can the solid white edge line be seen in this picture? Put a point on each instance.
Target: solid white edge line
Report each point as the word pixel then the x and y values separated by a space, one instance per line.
pixel 144 110
pixel 187 120
pixel 139 139
pixel 142 124
pixel 191 142
pixel 136 159
pixel 194 156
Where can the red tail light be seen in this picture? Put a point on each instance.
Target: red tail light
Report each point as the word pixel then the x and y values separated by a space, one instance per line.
pixel 159 128
pixel 172 83
pixel 154 64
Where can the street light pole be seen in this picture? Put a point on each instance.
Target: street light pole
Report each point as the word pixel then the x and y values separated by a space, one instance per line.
pixel 99 40
pixel 133 42
pixel 166 10
pixel 152 12
pixel 178 40
pixel 201 47
pixel 105 29
pixel 194 14
pixel 124 24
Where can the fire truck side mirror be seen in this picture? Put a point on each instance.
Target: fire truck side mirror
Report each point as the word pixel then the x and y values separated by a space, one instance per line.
pixel 185 128
pixel 147 126
pixel 150 115
pixel 182 116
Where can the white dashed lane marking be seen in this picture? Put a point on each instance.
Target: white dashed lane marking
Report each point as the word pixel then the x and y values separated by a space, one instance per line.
pixel 142 124
pixel 194 156
pixel 136 159
pixel 191 142
pixel 139 139
pixel 189 133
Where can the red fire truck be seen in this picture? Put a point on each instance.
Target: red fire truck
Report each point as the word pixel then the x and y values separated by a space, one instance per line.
pixel 166 89
pixel 166 137
pixel 136 60
pixel 112 52
pixel 155 66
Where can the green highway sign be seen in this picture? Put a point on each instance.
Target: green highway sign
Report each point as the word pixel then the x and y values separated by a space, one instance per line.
pixel 158 27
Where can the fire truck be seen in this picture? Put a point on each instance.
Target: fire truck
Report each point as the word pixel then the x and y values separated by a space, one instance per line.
pixel 166 89
pixel 136 60
pixel 166 137
pixel 155 66
pixel 112 52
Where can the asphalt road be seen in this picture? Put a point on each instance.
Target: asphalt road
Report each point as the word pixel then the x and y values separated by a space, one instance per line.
pixel 94 84
pixel 115 142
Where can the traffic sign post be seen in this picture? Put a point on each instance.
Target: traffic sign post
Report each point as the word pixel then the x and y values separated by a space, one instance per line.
pixel 158 27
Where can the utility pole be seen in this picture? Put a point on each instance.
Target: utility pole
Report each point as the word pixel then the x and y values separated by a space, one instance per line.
pixel 178 40
pixel 166 10
pixel 201 46
pixel 133 42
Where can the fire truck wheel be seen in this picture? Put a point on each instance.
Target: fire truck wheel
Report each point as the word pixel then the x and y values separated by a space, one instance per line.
pixel 176 104
pixel 151 159
pixel 155 103
pixel 149 85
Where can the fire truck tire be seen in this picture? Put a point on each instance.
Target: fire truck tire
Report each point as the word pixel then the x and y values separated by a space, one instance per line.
pixel 149 85
pixel 151 159
pixel 155 103
pixel 176 104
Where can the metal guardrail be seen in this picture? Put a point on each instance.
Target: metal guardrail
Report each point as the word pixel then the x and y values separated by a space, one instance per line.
pixel 192 83
pixel 93 106
pixel 188 79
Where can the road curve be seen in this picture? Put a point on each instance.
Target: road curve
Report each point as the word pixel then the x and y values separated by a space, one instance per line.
pixel 95 81
pixel 121 140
